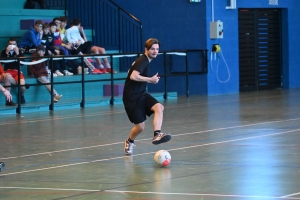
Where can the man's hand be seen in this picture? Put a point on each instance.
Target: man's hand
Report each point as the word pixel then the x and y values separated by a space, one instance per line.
pixel 154 79
pixel 7 95
pixel 16 49
pixel 78 43
pixel 68 46
pixel 57 52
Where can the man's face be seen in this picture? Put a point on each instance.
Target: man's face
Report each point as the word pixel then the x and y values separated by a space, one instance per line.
pixel 46 30
pixel 53 29
pixel 153 51
pixel 12 44
pixel 57 22
pixel 38 27
pixel 63 24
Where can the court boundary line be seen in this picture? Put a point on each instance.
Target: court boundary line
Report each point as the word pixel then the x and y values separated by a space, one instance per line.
pixel 182 134
pixel 175 149
pixel 155 193
pixel 290 195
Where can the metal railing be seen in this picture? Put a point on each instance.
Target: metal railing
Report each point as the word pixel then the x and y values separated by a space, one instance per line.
pixel 166 61
pixel 112 26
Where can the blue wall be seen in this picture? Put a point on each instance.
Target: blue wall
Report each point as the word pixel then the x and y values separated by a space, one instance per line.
pixel 178 25
pixel 184 25
pixel 229 44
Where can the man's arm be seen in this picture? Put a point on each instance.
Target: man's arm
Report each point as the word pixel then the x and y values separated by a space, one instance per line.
pixel 135 76
pixel 35 41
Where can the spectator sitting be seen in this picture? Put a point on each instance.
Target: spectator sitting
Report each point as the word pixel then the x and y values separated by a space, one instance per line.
pixel 40 71
pixel 33 37
pixel 98 50
pixel 6 79
pixel 12 51
pixel 52 49
pixel 79 46
pixel 62 29
pixel 64 45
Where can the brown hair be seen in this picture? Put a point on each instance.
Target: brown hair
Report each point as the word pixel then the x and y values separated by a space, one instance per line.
pixel 45 25
pixel 52 24
pixel 12 39
pixel 76 22
pixel 150 42
pixel 38 22
pixel 64 19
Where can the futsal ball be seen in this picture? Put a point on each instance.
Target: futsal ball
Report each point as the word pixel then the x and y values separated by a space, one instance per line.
pixel 162 158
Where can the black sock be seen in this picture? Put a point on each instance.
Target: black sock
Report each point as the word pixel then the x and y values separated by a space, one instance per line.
pixel 156 132
pixel 130 140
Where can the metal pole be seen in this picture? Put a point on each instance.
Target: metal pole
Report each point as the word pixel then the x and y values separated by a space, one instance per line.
pixel 18 109
pixel 112 81
pixel 82 103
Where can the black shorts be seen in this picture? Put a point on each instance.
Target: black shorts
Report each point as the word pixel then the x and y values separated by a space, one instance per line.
pixel 139 109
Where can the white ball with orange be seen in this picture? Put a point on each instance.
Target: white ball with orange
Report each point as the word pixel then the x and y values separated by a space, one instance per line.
pixel 162 158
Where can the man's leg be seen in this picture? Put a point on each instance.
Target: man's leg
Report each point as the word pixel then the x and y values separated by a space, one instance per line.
pixel 136 130
pixel 159 137
pixel 14 81
pixel 129 143
pixel 158 116
pixel 8 80
pixel 44 79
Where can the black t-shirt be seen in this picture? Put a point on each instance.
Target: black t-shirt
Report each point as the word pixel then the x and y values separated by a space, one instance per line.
pixel 12 54
pixel 133 90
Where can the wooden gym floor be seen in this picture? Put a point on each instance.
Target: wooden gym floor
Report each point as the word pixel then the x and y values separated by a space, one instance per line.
pixel 241 146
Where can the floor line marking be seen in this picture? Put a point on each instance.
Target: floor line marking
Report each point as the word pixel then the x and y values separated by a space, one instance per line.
pixel 102 145
pixel 155 193
pixel 175 149
pixel 195 194
pixel 290 195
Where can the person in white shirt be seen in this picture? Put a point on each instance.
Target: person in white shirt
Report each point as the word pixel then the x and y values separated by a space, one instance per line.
pixel 79 46
pixel 73 35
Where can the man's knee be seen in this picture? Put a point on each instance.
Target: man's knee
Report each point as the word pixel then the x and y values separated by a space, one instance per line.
pixel 140 126
pixel 158 107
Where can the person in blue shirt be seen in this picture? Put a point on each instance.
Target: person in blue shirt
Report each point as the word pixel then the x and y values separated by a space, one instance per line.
pixel 33 37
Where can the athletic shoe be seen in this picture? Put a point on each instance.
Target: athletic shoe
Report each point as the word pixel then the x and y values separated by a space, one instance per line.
pixel 128 147
pixel 58 73
pixel 97 71
pixel 67 73
pixel 161 138
pixel 103 70
pixel 10 103
pixel 109 71
pixel 2 166
pixel 57 97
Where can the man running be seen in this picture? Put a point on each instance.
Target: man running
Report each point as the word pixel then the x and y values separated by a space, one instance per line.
pixel 138 103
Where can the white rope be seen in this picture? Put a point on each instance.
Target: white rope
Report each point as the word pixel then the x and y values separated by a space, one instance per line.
pixel 177 53
pixel 34 62
pixel 25 63
pixel 73 58
pixel 127 55
pixel 8 61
